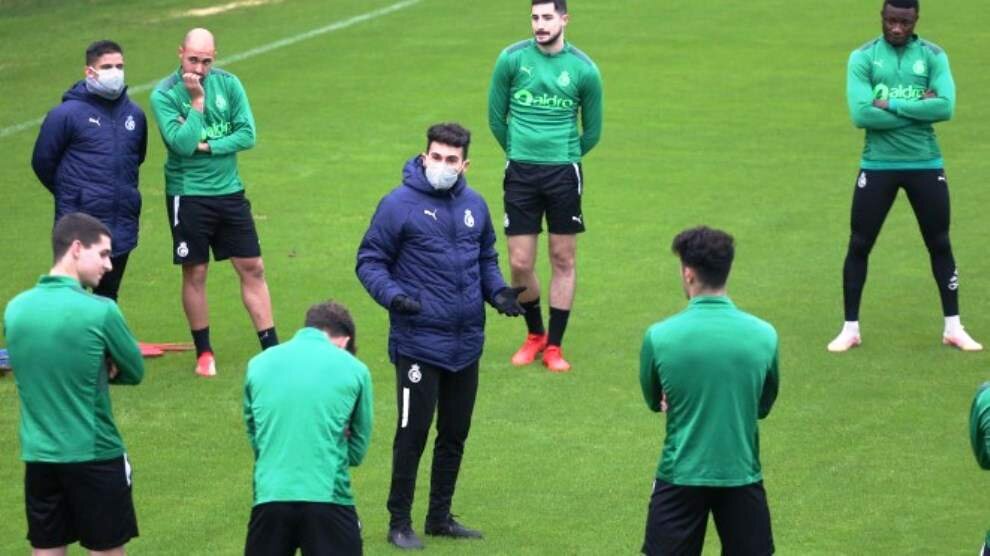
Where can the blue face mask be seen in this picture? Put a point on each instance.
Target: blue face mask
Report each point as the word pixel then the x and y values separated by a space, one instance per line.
pixel 109 83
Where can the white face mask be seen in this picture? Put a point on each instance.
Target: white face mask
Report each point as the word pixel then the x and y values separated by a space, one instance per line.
pixel 441 176
pixel 109 83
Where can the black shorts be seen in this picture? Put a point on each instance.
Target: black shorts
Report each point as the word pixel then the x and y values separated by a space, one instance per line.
pixel 89 502
pixel 533 189
pixel 678 518
pixel 278 528
pixel 223 223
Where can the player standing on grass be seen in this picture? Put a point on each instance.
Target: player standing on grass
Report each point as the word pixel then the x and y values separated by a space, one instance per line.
pixel 979 436
pixel 67 346
pixel 713 369
pixel 898 86
pixel 308 406
pixel 539 89
pixel 88 153
pixel 429 257
pixel 205 120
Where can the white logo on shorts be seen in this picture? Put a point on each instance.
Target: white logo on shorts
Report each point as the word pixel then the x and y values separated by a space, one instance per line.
pixel 468 218
pixel 129 125
pixel 506 220
pixel 182 250
pixel 127 470
pixel 414 375
pixel 861 183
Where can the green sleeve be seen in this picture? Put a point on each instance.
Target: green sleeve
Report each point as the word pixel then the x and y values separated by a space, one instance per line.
pixel 859 94
pixel 498 100
pixel 242 136
pixel 649 377
pixel 181 132
pixel 361 422
pixel 591 110
pixel 123 348
pixel 249 415
pixel 771 385
pixel 938 109
pixel 979 427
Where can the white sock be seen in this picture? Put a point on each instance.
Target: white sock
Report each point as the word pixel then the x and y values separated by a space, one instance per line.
pixel 952 325
pixel 851 327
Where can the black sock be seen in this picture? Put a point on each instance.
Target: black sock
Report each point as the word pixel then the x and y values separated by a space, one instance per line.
pixel 533 316
pixel 268 338
pixel 202 340
pixel 558 323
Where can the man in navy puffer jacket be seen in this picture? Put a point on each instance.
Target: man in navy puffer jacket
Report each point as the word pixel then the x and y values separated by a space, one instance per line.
pixel 88 153
pixel 429 257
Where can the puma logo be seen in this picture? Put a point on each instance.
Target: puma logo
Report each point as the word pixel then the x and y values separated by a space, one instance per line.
pixel 429 213
pixel 95 121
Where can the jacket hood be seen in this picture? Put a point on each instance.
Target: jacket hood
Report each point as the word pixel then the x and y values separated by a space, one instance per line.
pixel 79 92
pixel 414 176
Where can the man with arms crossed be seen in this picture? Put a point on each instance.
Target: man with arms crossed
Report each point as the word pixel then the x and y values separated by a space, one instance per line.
pixel 539 88
pixel 898 86
pixel 713 369
pixel 429 258
pixel 66 346
pixel 88 153
pixel 979 436
pixel 308 409
pixel 205 120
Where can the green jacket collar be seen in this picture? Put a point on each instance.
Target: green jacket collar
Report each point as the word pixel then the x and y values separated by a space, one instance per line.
pixel 711 301
pixel 49 281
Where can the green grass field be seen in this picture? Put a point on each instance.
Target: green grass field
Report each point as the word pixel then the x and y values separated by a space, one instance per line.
pixel 729 114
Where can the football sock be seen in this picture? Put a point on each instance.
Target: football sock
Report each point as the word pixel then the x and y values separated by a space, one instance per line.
pixel 952 325
pixel 851 327
pixel 201 338
pixel 533 316
pixel 558 323
pixel 268 338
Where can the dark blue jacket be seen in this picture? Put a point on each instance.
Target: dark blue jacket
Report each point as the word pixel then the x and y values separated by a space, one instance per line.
pixel 439 249
pixel 87 154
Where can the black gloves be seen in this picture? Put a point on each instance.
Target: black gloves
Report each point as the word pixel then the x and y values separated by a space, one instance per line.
pixel 507 301
pixel 405 305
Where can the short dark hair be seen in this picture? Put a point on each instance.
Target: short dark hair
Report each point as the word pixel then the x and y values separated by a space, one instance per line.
pixel 906 4
pixel 451 133
pixel 334 319
pixel 99 48
pixel 560 6
pixel 76 226
pixel 708 252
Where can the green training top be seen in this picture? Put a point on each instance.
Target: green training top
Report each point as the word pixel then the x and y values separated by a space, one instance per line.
pixel 59 337
pixel 226 123
pixel 300 399
pixel 534 100
pixel 979 430
pixel 901 137
pixel 718 368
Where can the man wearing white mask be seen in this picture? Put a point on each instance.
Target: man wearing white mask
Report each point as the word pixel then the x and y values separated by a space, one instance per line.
pixel 88 154
pixel 429 258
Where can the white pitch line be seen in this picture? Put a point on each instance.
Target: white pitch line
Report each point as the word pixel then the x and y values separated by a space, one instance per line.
pixel 264 49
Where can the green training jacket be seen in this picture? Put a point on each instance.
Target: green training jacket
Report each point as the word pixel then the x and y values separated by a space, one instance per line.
pixel 299 399
pixel 59 337
pixel 979 430
pixel 718 368
pixel 226 123
pixel 535 99
pixel 901 137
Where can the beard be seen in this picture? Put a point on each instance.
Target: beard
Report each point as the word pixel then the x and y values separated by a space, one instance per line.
pixel 549 40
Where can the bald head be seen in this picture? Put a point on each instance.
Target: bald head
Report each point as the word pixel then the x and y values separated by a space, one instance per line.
pixel 199 39
pixel 197 52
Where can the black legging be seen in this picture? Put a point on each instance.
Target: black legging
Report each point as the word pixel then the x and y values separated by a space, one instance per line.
pixel 109 285
pixel 874 194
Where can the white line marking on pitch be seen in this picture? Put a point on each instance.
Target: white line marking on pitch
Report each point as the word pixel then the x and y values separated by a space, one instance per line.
pixel 263 49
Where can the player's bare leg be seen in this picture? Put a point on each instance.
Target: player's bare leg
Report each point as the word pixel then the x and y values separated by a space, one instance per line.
pixel 522 260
